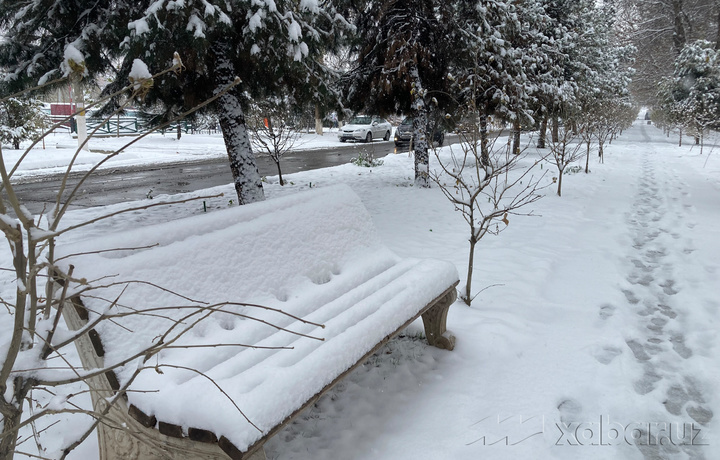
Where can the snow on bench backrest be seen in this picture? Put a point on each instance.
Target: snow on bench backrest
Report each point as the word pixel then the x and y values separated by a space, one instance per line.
pixel 253 248
pixel 313 254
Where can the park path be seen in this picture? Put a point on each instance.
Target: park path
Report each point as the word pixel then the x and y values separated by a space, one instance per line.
pixel 660 225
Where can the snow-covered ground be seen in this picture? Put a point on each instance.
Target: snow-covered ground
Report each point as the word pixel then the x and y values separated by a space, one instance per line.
pixel 597 325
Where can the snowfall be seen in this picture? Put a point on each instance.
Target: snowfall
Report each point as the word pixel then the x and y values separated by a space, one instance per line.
pixel 593 333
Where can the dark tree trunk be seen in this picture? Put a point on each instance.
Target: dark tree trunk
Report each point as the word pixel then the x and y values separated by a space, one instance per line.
pixel 516 137
pixel 555 130
pixel 246 177
pixel 12 416
pixel 471 260
pixel 484 151
pixel 587 157
pixel 422 158
pixel 678 27
pixel 179 130
pixel 559 190
pixel 282 182
pixel 717 37
pixel 543 133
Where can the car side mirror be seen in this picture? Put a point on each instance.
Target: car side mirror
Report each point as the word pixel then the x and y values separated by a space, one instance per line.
pixel 374 123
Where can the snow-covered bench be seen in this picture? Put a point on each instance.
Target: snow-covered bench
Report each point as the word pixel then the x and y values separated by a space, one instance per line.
pixel 314 255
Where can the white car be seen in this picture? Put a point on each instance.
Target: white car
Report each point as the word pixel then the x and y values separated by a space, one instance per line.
pixel 365 128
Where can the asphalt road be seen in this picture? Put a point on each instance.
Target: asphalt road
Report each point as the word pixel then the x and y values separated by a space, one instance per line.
pixel 117 185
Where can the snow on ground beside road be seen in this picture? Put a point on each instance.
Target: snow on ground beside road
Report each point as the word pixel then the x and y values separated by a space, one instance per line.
pixel 599 320
pixel 156 148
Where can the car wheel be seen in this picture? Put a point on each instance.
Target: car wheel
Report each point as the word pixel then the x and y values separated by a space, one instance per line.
pixel 387 136
pixel 368 138
pixel 342 140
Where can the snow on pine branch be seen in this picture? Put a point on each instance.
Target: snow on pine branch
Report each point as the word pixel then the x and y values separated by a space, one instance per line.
pixel 73 61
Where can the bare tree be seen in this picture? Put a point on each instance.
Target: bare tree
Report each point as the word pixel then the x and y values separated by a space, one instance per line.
pixel 487 188
pixel 272 133
pixel 565 151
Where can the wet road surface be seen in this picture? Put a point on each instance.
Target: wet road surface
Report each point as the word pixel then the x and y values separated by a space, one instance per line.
pixel 116 185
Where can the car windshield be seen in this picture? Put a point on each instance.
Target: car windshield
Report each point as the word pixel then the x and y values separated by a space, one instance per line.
pixel 361 121
pixel 407 121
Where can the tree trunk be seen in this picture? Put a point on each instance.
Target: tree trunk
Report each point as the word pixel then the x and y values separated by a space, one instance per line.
pixel 543 133
pixel 516 137
pixel 11 415
pixel 282 182
pixel 484 151
pixel 80 118
pixel 8 443
pixel 422 159
pixel 318 121
pixel 555 130
pixel 678 27
pixel 179 130
pixel 559 190
pixel 246 177
pixel 471 260
pixel 680 140
pixel 717 36
pixel 587 157
pixel 702 141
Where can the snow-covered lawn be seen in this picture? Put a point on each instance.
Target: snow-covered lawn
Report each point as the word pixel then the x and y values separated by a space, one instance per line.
pixel 598 323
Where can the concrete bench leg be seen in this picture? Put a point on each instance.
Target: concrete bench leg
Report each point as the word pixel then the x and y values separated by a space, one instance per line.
pixel 258 455
pixel 435 321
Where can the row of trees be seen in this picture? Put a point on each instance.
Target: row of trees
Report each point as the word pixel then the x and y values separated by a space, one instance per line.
pixel 525 62
pixel 522 62
pixel 677 43
pixel 659 30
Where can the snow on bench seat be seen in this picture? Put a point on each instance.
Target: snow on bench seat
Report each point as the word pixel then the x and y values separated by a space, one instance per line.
pixel 315 255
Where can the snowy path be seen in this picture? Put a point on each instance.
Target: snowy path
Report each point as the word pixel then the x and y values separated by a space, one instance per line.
pixel 662 249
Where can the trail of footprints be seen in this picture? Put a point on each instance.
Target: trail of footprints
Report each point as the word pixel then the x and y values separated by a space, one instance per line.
pixel 659 347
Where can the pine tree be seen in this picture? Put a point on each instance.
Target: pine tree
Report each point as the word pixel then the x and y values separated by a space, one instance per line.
pixel 691 97
pixel 37 32
pixel 270 44
pixel 20 119
pixel 506 61
pixel 402 64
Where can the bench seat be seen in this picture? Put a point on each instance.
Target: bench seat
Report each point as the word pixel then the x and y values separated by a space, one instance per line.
pixel 314 255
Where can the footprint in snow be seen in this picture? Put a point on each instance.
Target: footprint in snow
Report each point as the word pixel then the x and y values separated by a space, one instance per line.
pixel 607 354
pixel 638 350
pixel 606 311
pixel 678 343
pixel 647 382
